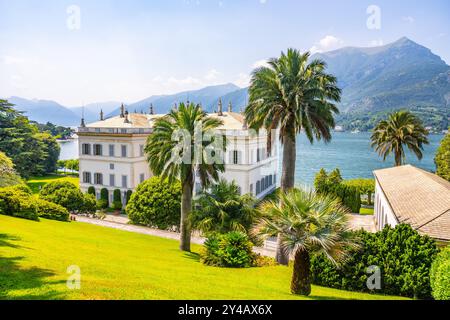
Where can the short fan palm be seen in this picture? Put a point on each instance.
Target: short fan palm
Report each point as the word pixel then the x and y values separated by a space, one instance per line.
pixel 223 209
pixel 401 128
pixel 174 153
pixel 306 223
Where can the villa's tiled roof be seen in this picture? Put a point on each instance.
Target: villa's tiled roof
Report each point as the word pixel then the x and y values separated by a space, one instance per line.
pixel 419 198
pixel 231 121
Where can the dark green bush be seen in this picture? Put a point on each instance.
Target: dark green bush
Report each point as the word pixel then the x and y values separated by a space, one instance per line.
pixel 128 197
pixel 332 184
pixel 17 203
pixel 402 254
pixel 440 275
pixel 155 203
pixel 117 200
pixel 91 190
pixel 232 249
pixel 50 210
pixel 104 199
pixel 69 196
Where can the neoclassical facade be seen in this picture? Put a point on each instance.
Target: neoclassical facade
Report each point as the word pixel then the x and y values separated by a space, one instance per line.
pixel 111 153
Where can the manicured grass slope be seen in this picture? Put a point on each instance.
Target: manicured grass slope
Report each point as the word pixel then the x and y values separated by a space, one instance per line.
pixel 366 211
pixel 35 182
pixel 114 264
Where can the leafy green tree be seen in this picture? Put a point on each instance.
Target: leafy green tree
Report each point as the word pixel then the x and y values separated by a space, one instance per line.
pixel 442 158
pixel 164 154
pixel 335 177
pixel 8 176
pixel 307 223
pixel 222 209
pixel 156 203
pixel 295 95
pixel 22 142
pixel 401 128
pixel 62 164
pixel 51 149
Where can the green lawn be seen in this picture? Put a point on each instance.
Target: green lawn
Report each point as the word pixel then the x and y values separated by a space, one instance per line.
pixel 115 264
pixel 366 211
pixel 35 182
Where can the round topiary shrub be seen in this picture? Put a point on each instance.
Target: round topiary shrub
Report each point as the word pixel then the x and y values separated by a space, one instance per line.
pixel 52 211
pixel 440 275
pixel 232 250
pixel 156 203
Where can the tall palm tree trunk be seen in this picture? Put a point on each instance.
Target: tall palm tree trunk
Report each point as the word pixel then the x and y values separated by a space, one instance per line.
pixel 287 183
pixel 301 281
pixel 186 208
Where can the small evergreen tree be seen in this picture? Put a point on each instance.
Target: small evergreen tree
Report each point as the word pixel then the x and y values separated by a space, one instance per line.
pixel 91 190
pixel 104 199
pixel 117 200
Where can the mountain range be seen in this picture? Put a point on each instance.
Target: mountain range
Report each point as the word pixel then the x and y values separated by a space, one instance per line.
pixel 402 74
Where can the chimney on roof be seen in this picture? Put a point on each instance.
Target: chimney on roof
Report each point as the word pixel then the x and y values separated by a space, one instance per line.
pixel 151 109
pixel 220 113
pixel 82 124
pixel 122 111
pixel 126 117
pixel 101 115
pixel 230 107
pixel 244 125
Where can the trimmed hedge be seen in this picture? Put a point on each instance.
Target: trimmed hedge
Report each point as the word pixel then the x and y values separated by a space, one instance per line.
pixel 50 210
pixel 232 250
pixel 332 184
pixel 91 190
pixel 440 275
pixel 117 200
pixel 402 254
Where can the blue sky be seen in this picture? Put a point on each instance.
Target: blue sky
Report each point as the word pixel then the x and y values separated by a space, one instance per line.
pixel 129 50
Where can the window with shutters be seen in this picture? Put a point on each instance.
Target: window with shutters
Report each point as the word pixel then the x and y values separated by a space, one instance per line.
pixel 86 177
pixel 124 181
pixel 112 180
pixel 124 151
pixel 141 178
pixel 111 150
pixel 258 187
pixel 141 150
pixel 86 148
pixel 98 150
pixel 98 178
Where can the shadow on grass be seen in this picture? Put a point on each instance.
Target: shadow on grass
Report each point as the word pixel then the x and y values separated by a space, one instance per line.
pixel 15 277
pixel 192 256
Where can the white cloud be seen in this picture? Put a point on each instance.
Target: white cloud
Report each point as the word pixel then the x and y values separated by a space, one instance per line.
pixel 260 63
pixel 212 75
pixel 243 80
pixel 408 19
pixel 375 43
pixel 262 1
pixel 327 43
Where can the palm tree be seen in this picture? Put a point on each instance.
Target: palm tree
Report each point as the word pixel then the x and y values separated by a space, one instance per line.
pixel 401 128
pixel 306 223
pixel 223 209
pixel 293 95
pixel 184 159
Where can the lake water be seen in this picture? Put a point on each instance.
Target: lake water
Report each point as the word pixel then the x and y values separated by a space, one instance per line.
pixel 351 153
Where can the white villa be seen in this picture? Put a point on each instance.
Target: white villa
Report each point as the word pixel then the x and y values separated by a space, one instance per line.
pixel 407 194
pixel 111 153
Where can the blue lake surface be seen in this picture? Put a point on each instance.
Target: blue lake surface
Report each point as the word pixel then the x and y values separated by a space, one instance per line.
pixel 351 153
